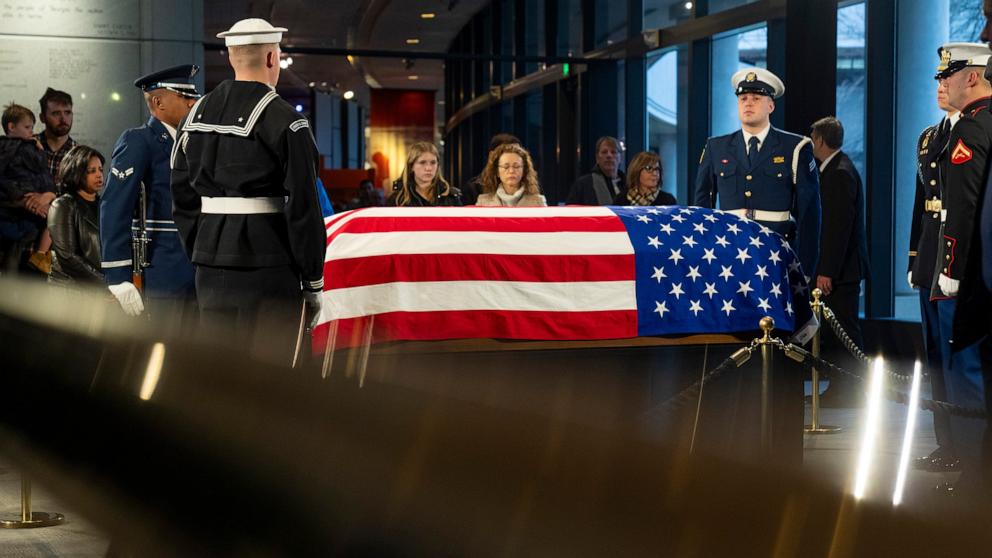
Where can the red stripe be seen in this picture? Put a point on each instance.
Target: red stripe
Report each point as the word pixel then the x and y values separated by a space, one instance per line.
pixel 606 223
pixel 374 270
pixel 429 326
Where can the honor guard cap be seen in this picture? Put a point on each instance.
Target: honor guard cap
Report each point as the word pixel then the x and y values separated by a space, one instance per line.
pixel 252 31
pixel 757 80
pixel 958 56
pixel 178 79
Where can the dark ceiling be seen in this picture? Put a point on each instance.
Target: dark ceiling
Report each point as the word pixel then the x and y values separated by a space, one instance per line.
pixel 352 24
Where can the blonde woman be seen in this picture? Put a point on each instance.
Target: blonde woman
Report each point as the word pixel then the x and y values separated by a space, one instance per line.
pixel 422 184
pixel 509 179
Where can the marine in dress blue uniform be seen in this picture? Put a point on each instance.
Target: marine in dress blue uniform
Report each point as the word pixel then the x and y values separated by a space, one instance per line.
pixel 141 160
pixel 937 313
pixel 959 260
pixel 776 185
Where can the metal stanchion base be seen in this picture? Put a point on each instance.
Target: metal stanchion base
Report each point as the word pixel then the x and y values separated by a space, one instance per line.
pixel 38 519
pixel 821 429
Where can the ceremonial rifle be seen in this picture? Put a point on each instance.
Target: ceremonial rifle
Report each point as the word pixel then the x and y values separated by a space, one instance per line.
pixel 139 241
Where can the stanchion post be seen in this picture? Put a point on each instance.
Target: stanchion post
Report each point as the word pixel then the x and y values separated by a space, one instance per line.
pixel 767 324
pixel 30 519
pixel 814 427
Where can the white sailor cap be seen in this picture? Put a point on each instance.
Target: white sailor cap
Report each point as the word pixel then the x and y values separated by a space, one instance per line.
pixel 958 56
pixel 252 31
pixel 757 80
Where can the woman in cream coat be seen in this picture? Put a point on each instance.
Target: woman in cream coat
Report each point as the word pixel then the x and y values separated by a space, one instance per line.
pixel 510 180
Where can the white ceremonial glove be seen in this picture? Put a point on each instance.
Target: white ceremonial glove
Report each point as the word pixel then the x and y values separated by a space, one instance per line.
pixel 947 285
pixel 313 301
pixel 909 279
pixel 129 298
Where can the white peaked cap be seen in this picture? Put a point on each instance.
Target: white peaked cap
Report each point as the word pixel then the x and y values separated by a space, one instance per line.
pixel 252 31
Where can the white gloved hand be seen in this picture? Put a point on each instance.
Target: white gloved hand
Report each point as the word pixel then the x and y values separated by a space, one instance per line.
pixel 909 279
pixel 129 298
pixel 313 301
pixel 947 285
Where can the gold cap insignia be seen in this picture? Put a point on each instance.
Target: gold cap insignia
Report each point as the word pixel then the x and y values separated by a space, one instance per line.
pixel 945 59
pixel 751 76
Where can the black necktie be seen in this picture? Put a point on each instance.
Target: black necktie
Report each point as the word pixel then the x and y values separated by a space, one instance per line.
pixel 752 151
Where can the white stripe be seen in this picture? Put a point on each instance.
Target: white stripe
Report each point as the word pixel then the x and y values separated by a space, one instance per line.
pixel 349 245
pixel 435 296
pixel 232 129
pixel 154 229
pixel 470 211
pixel 116 263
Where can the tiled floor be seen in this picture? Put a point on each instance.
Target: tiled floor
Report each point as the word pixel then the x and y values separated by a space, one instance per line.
pixel 834 456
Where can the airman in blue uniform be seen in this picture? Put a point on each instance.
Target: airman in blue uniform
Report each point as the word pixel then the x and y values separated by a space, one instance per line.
pixel 137 191
pixel 762 173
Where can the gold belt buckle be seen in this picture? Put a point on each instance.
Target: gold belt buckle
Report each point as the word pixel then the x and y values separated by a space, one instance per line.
pixel 749 213
pixel 932 206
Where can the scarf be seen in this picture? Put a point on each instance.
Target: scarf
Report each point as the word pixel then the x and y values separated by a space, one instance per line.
pixel 508 199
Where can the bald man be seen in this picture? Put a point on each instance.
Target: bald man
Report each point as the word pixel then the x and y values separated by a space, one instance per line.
pixel 244 181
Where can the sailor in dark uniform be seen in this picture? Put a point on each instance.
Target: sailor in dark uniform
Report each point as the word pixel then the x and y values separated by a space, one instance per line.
pixel 137 232
pixel 762 173
pixel 959 260
pixel 244 184
pixel 924 240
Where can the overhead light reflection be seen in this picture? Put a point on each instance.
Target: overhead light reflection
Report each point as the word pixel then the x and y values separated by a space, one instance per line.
pixel 907 439
pixel 152 372
pixel 870 433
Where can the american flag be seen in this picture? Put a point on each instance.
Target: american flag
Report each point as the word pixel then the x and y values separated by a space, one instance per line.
pixel 562 273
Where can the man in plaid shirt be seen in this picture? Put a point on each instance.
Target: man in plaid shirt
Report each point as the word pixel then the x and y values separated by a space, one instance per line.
pixel 56 113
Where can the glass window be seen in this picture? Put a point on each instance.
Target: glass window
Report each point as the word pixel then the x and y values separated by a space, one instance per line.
pixel 666 13
pixel 611 22
pixel 570 27
pixel 533 33
pixel 663 113
pixel 741 48
pixel 851 80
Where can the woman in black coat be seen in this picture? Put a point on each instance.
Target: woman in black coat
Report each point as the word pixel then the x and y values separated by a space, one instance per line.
pixel 74 220
pixel 644 183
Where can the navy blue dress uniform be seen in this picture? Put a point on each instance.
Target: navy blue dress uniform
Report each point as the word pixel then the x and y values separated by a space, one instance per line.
pixel 959 258
pixel 936 313
pixel 244 183
pixel 778 187
pixel 140 160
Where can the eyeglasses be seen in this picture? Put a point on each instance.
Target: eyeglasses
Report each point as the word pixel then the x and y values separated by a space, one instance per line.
pixel 510 167
pixel 652 168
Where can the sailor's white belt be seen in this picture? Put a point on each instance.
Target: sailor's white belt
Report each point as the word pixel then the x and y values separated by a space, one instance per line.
pixel 242 206
pixel 761 214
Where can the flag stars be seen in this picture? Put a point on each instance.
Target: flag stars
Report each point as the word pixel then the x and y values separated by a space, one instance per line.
pixel 756 242
pixel 745 287
pixel 763 304
pixel 710 217
pixel 728 307
pixel 788 308
pixel 762 271
pixel 694 273
pixel 644 218
pixel 678 218
pixel 726 273
pixel 689 241
pixel 733 228
pixel 686 210
pixel 710 290
pixel 794 266
pixel 776 289
pixel 676 290
pixel 694 307
pixel 661 308
pixel 708 255
pixel 659 274
pixel 765 230
pixel 653 211
pixel 667 229
pixel 700 228
pixel 654 242
pixel 742 255
pixel 676 255
pixel 722 241
pixel 774 257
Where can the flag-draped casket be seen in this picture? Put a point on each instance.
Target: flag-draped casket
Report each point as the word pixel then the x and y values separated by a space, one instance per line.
pixel 562 273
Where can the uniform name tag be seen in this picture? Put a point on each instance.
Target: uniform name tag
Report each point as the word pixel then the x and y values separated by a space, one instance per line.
pixel 778 159
pixel 961 154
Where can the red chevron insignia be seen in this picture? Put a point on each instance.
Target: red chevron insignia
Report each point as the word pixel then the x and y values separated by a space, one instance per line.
pixel 961 154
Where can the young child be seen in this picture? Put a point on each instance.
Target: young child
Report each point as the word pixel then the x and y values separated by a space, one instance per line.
pixel 26 192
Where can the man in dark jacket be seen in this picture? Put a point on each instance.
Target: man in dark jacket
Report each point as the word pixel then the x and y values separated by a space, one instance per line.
pixel 843 246
pixel 605 182
pixel 26 186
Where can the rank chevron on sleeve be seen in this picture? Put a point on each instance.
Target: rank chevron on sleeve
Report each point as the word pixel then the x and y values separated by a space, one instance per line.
pixel 961 154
